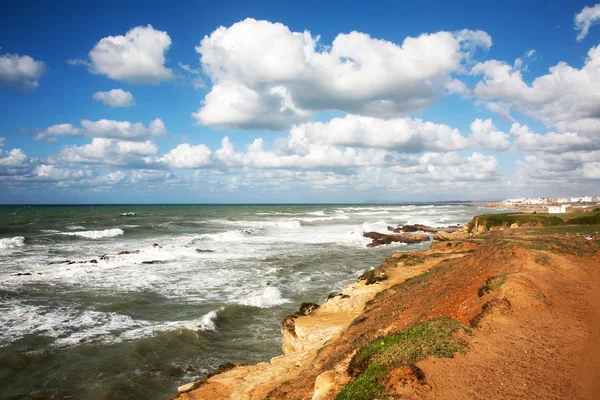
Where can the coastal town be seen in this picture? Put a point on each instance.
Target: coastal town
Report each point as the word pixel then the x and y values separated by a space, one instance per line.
pixel 551 205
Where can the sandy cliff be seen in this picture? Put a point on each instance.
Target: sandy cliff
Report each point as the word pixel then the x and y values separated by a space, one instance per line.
pixel 528 307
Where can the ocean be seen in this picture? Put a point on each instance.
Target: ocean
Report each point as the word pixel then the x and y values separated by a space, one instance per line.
pixel 193 286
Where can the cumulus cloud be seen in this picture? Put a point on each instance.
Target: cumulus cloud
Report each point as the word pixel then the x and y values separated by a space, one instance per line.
pixel 115 98
pixel 585 19
pixel 266 76
pixel 104 151
pixel 566 98
pixel 14 162
pixel 55 173
pixel 105 128
pixel 187 156
pixel 551 142
pixel 20 72
pixel 137 57
pixel 485 135
pixel 400 134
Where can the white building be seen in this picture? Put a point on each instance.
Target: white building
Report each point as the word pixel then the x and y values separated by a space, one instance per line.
pixel 557 210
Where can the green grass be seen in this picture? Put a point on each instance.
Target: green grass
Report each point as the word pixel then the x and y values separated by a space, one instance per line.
pixel 590 219
pixel 567 228
pixel 439 337
pixel 492 284
pixel 492 220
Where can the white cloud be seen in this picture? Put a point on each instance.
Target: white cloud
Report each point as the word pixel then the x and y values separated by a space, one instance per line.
pixel 401 134
pixel 137 57
pixel 187 156
pixel 551 142
pixel 105 128
pixel 266 76
pixel 108 152
pixel 2 141
pixel 20 72
pixel 115 98
pixel 485 135
pixel 566 98
pixel 54 173
pixel 585 19
pixel 14 162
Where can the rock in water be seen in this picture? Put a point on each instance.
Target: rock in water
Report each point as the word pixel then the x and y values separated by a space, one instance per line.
pixel 383 238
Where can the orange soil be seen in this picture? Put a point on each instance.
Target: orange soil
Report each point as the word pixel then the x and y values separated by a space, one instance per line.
pixel 538 339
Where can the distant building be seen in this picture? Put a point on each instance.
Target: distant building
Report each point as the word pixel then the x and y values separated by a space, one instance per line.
pixel 557 209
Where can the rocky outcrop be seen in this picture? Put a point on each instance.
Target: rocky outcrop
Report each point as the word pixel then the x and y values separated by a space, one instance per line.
pixel 373 276
pixel 382 238
pixel 288 325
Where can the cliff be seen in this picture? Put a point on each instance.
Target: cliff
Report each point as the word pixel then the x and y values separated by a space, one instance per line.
pixel 512 313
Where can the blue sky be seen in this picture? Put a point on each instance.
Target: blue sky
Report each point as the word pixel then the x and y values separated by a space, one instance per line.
pixel 422 102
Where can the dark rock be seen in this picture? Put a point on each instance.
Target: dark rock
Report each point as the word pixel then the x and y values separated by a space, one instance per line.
pixel 128 252
pixel 157 245
pixel 409 228
pixel 395 230
pixel 93 261
pixel 204 251
pixel 373 276
pixel 153 262
pixel 332 295
pixel 289 322
pixel 383 238
pixel 345 296
pixel 60 262
pixel 23 274
pixel 104 257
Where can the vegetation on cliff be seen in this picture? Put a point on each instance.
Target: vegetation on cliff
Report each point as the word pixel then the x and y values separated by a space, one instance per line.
pixel 439 337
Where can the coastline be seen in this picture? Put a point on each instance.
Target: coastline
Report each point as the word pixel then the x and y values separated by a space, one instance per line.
pixel 319 347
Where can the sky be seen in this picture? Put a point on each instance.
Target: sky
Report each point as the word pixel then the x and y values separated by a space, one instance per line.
pixel 301 102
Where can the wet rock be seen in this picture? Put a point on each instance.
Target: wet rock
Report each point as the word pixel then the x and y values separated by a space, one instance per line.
pixel 395 230
pixel 153 262
pixel 289 323
pixel 104 257
pixel 204 251
pixel 121 253
pixel 93 261
pixel 23 274
pixel 373 276
pixel 382 238
pixel 60 262
pixel 157 245
pixel 409 228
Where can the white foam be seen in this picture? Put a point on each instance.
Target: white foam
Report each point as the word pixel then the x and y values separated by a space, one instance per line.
pixel 74 227
pixel 318 213
pixel 127 214
pixel 12 243
pixel 96 234
pixel 317 219
pixel 378 226
pixel 71 327
pixel 269 297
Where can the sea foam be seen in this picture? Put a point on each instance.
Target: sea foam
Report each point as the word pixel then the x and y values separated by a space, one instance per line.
pixel 96 234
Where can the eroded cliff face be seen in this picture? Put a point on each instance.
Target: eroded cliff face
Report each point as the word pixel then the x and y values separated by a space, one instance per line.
pixel 540 287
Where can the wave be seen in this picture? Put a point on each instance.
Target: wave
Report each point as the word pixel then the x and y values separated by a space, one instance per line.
pixel 317 219
pixel 277 224
pixel 317 213
pixel 74 227
pixel 12 243
pixel 127 214
pixel 49 231
pixel 269 297
pixel 96 234
pixel 72 327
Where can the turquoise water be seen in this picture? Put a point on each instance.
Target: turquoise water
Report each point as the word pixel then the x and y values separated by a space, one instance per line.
pixel 199 285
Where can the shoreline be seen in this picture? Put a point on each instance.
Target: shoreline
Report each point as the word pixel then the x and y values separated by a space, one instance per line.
pixel 318 346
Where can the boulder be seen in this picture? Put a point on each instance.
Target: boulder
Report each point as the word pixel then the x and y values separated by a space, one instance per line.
pixel 373 276
pixel 383 238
